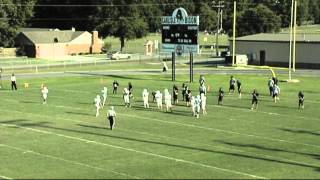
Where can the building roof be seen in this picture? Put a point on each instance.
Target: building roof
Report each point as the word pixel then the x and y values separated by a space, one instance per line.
pixel 36 29
pixel 43 37
pixel 281 37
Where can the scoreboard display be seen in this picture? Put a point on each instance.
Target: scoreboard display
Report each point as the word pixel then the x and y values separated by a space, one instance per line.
pixel 180 34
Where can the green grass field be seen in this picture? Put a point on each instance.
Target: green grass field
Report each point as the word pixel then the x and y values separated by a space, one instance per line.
pixel 64 139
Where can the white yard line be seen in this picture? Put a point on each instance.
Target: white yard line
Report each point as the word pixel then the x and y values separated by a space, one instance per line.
pixel 4 177
pixel 221 130
pixel 198 127
pixel 66 160
pixel 138 151
pixel 285 160
pixel 264 112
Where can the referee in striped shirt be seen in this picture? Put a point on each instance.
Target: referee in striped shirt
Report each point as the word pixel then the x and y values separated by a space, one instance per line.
pixel 112 117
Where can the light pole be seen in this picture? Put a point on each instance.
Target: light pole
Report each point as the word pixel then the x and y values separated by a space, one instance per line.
pixel 290 43
pixel 234 32
pixel 219 23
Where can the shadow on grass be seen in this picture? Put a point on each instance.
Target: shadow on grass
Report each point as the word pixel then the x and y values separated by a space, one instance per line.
pixel 281 107
pixel 43 125
pixel 30 102
pixel 85 103
pixel 174 112
pixel 299 131
pixel 80 113
pixel 317 156
pixel 109 75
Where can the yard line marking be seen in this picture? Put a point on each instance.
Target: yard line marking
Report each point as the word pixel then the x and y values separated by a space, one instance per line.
pixel 137 151
pixel 221 130
pixel 202 144
pixel 24 151
pixel 264 112
pixel 195 126
pixel 4 177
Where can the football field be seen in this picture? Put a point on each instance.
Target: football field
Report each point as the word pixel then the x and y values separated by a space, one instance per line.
pixel 64 139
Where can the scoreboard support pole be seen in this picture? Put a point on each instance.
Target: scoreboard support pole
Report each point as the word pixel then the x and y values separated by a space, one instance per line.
pixel 173 66
pixel 191 67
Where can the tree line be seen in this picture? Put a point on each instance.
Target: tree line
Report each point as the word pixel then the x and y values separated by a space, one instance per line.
pixel 129 19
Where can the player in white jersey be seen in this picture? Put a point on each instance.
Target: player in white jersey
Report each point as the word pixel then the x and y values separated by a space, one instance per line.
pixel 112 117
pixel 126 97
pixel 44 91
pixel 158 97
pixel 97 103
pixel 203 103
pixel 192 105
pixel 276 93
pixel 167 100
pixel 145 98
pixel 197 104
pixel 104 92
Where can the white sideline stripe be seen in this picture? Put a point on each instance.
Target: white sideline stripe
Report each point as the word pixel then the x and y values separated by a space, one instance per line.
pixel 4 177
pixel 68 161
pixel 221 130
pixel 137 151
pixel 189 125
pixel 216 146
pixel 263 112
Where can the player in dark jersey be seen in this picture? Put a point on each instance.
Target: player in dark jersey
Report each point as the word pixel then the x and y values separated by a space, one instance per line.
pixel 301 100
pixel 175 94
pixel 153 93
pixel 185 89
pixel 232 83
pixel 255 96
pixel 115 85
pixel 239 87
pixel 188 97
pixel 220 96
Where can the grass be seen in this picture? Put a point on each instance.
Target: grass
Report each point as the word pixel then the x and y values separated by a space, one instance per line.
pixel 63 139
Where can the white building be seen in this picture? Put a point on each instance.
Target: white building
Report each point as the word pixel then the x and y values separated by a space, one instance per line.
pixel 273 49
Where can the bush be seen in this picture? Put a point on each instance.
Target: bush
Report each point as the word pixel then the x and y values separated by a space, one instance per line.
pixel 106 47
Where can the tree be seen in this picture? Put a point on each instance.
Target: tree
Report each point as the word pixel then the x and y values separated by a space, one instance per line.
pixel 125 20
pixel 258 20
pixel 208 16
pixel 13 15
pixel 65 16
pixel 314 11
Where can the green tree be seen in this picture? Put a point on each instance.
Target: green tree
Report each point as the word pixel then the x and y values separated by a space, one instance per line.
pixel 257 20
pixel 65 16
pixel 208 17
pixel 124 20
pixel 13 15
pixel 314 11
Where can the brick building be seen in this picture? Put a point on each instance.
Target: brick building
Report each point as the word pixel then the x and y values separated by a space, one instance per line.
pixel 42 43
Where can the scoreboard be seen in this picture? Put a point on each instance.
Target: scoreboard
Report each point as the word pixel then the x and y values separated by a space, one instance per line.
pixel 180 34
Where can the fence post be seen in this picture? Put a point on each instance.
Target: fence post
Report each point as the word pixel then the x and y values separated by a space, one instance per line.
pixel 173 62
pixel 191 67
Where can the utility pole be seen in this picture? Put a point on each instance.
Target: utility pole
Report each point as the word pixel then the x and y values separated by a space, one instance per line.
pixel 218 5
pixel 234 32
pixel 290 43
